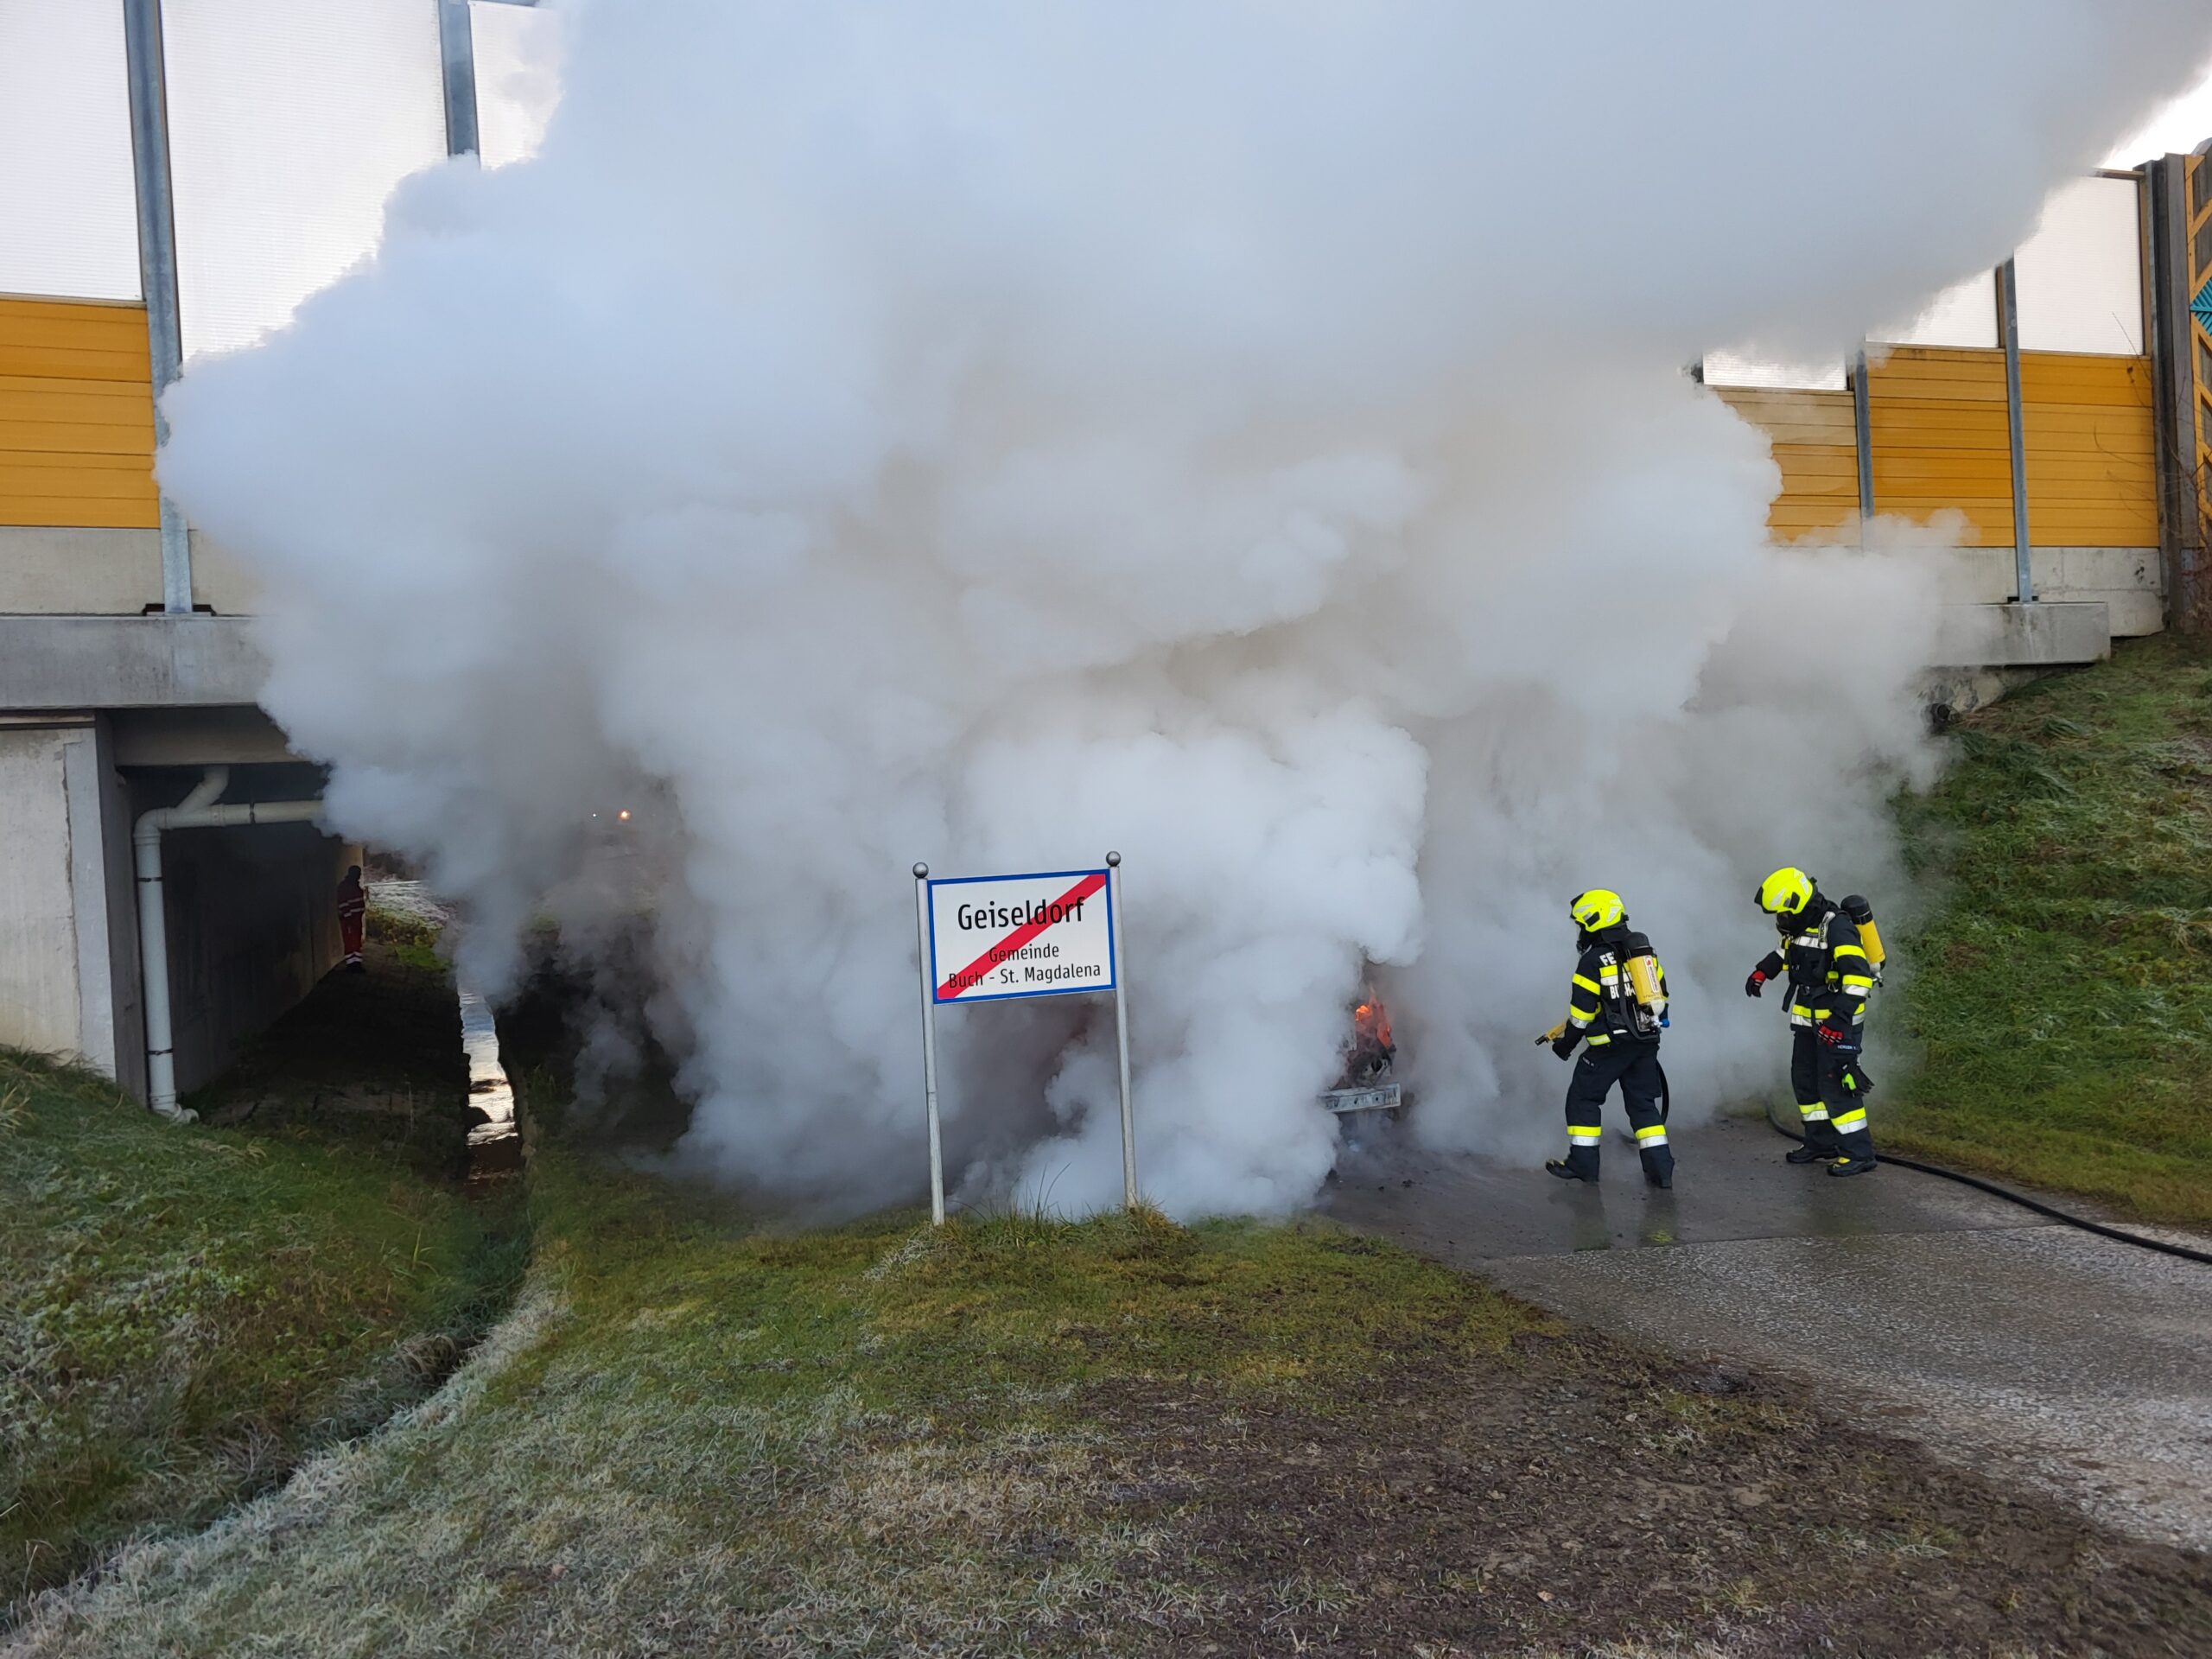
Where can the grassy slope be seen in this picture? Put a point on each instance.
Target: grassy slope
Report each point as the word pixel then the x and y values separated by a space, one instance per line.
pixel 703 1429
pixel 2064 989
pixel 1120 1436
pixel 181 1312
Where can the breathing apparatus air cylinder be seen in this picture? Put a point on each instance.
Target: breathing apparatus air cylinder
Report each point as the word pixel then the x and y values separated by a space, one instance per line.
pixel 1644 981
pixel 1869 937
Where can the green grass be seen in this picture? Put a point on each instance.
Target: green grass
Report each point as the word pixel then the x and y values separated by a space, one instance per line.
pixel 701 1429
pixel 2061 989
pixel 183 1312
pixel 1014 1303
pixel 413 941
pixel 1022 1435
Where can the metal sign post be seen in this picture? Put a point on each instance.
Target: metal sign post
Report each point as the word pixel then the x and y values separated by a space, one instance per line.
pixel 993 938
pixel 1122 1030
pixel 929 1043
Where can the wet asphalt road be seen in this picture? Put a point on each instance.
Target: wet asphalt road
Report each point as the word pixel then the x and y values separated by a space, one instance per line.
pixel 1913 1304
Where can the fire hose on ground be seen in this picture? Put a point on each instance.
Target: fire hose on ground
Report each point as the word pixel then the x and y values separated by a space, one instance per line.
pixel 2083 1222
pixel 2020 1198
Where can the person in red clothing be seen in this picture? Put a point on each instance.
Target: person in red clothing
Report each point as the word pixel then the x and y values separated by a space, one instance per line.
pixel 353 912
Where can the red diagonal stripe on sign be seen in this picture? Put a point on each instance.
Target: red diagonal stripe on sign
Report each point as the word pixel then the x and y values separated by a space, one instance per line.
pixel 973 973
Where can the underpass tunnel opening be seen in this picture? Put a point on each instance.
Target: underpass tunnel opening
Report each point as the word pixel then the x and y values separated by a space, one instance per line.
pixel 250 910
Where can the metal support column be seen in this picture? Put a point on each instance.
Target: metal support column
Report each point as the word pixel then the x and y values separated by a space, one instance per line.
pixel 149 154
pixel 1863 424
pixel 457 49
pixel 2008 308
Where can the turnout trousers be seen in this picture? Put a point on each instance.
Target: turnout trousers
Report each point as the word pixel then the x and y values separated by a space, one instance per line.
pixel 1828 1105
pixel 1635 1067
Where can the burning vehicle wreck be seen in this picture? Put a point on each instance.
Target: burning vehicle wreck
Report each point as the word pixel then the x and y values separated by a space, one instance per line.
pixel 1370 1051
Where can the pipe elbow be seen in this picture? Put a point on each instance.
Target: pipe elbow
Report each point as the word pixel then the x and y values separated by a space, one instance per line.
pixel 207 791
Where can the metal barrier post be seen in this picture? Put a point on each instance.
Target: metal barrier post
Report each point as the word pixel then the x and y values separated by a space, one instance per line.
pixel 457 53
pixel 149 167
pixel 1863 425
pixel 2008 307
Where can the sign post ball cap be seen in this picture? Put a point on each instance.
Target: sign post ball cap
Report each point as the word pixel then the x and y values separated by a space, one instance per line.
pixel 920 871
pixel 1114 860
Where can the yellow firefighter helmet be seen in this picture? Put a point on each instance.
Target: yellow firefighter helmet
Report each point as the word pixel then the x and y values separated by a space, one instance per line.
pixel 1785 892
pixel 1597 908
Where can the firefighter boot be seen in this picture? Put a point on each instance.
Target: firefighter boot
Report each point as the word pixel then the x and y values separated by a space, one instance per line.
pixel 1854 1146
pixel 1659 1165
pixel 1819 1144
pixel 1580 1164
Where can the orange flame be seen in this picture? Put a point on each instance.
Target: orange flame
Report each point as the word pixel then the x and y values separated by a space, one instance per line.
pixel 1370 1022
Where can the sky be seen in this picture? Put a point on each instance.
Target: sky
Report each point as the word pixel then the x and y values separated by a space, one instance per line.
pixel 2179 128
pixel 68 229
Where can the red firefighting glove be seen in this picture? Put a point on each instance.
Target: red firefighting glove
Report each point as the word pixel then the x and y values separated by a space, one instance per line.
pixel 1751 985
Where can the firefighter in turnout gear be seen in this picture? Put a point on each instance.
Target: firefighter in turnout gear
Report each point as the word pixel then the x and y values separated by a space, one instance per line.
pixel 353 912
pixel 1824 956
pixel 1617 1007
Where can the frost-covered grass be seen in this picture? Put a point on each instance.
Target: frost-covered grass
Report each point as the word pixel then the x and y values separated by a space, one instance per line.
pixel 692 1433
pixel 183 1312
pixel 1019 1435
pixel 2062 987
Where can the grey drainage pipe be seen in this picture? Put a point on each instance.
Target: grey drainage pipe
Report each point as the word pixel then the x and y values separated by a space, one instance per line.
pixel 197 811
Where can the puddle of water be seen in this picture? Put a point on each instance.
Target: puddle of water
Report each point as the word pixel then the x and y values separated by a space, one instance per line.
pixel 494 1147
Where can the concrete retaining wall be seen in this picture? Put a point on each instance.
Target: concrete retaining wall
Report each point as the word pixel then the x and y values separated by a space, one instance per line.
pixel 68 931
pixel 39 1005
pixel 109 570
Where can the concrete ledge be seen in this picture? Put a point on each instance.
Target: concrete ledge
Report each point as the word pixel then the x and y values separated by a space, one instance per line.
pixel 1946 693
pixel 128 662
pixel 2047 633
pixel 2129 580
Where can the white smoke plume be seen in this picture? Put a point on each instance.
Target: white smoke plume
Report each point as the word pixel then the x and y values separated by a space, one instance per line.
pixel 1250 436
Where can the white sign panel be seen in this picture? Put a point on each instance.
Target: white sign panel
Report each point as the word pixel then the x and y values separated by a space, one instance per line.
pixel 996 936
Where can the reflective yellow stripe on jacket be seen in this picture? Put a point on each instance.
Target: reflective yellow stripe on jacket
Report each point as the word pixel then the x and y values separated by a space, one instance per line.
pixel 1577 1015
pixel 1860 982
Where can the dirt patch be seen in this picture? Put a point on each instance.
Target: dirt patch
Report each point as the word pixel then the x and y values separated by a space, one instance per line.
pixel 1579 1494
